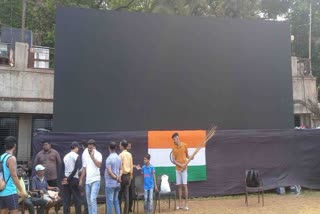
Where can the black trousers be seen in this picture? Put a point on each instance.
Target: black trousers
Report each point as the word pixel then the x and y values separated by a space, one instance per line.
pixel 131 187
pixel 72 189
pixel 124 191
pixel 29 203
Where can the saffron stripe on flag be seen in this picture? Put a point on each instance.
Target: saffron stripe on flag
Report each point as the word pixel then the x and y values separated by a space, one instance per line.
pixel 162 139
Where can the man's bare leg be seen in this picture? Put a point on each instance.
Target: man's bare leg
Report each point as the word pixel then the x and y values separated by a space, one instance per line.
pixel 180 194
pixel 186 193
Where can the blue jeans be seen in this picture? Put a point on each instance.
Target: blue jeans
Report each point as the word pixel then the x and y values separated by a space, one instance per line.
pixel 112 199
pixel 148 194
pixel 92 191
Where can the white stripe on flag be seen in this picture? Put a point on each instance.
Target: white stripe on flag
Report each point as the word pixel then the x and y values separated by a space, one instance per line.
pixel 161 157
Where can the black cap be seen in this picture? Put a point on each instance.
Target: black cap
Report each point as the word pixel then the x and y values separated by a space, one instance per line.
pixel 91 142
pixel 75 144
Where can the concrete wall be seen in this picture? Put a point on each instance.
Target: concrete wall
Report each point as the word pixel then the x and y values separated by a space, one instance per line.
pixel 24 90
pixel 304 89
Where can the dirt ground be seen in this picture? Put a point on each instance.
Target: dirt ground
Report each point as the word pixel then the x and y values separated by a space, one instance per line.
pixel 306 203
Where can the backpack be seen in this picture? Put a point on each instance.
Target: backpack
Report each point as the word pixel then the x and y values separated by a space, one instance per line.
pixel 165 186
pixel 3 182
pixel 253 178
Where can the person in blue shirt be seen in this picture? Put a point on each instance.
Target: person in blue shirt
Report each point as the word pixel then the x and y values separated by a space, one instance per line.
pixel 112 176
pixel 149 175
pixel 9 195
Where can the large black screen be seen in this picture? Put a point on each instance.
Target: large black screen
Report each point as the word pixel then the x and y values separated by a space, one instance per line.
pixel 120 71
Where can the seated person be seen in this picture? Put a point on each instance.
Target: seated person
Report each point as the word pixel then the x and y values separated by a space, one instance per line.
pixel 39 183
pixel 27 167
pixel 30 201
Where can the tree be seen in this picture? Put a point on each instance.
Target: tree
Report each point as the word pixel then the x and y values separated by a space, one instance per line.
pixel 271 9
pixel 299 19
pixel 10 12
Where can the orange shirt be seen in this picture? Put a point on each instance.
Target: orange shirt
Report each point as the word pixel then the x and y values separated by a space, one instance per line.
pixel 180 154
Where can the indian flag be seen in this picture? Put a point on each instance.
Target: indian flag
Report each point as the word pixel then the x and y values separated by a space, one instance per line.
pixel 160 145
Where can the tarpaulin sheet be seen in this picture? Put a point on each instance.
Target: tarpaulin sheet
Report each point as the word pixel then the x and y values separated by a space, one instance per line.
pixel 283 157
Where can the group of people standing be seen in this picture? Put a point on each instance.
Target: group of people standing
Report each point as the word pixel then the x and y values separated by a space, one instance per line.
pixel 83 173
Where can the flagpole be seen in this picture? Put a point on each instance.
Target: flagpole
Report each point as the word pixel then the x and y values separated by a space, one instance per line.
pixel 310 38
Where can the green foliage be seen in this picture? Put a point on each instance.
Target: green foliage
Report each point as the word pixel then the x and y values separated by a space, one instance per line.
pixel 10 13
pixel 271 9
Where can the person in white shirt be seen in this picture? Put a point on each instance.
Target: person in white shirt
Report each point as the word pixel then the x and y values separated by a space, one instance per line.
pixel 84 146
pixel 70 182
pixel 91 163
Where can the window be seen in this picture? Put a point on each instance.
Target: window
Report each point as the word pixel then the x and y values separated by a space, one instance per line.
pixel 41 121
pixel 9 126
pixel 297 120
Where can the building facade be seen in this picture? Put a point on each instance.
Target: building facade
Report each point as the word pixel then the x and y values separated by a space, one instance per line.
pixel 26 100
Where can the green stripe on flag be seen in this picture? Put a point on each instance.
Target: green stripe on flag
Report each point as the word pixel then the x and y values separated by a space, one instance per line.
pixel 195 173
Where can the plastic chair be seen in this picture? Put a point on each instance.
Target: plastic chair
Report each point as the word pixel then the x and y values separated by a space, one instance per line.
pixel 138 191
pixel 168 195
pixel 258 189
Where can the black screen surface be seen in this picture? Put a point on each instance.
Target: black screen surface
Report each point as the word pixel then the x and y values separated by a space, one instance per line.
pixel 120 71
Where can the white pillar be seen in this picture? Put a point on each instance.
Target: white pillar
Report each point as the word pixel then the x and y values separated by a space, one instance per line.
pixel 21 55
pixel 24 137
